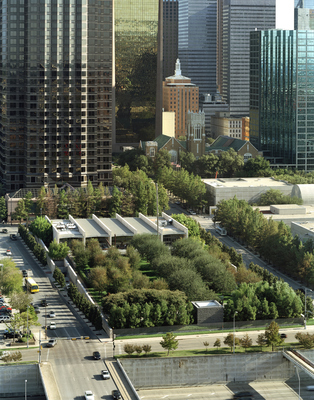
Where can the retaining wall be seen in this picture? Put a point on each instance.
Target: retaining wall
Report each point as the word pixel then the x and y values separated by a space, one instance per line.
pixel 189 371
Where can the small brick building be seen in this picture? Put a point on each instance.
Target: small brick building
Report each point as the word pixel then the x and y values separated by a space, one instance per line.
pixel 209 311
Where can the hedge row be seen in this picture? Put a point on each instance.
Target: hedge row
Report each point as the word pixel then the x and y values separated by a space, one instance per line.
pixel 31 243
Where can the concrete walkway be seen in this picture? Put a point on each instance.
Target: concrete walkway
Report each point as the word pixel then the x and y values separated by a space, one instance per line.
pixel 120 380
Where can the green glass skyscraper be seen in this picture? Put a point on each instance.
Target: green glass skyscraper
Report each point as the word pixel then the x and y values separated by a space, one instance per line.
pixel 136 61
pixel 282 96
pixel 56 92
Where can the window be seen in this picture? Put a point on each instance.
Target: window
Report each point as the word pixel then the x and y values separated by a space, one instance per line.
pixel 197 132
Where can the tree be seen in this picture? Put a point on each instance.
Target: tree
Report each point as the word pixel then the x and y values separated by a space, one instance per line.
pixel 42 228
pixel 129 348
pixel 217 344
pixel 58 251
pixel 63 205
pixel 246 341
pixel 20 212
pixel 59 277
pixel 206 344
pixel 169 342
pixel 3 209
pixel 28 202
pixel 305 339
pixel 10 277
pixel 134 257
pixel 261 340
pixel 98 278
pixel 20 300
pixel 272 336
pixel 115 202
pixel 147 348
pixel 229 340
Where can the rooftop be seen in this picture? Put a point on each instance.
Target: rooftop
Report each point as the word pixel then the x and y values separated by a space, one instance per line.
pixel 244 182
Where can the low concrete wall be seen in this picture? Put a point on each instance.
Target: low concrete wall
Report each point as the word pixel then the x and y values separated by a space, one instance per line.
pixel 12 381
pixel 189 371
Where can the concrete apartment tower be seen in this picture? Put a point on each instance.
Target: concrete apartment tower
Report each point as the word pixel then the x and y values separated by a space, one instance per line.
pixel 197 37
pixel 239 18
pixel 180 95
pixel 56 93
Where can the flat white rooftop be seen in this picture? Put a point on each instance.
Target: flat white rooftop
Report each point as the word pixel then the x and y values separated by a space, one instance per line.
pixel 207 303
pixel 244 182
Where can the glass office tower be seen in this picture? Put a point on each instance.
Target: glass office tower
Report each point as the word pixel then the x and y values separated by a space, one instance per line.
pixel 170 36
pixel 136 45
pixel 56 92
pixel 282 96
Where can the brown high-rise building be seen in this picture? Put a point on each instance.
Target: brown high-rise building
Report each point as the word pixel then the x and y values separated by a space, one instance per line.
pixel 180 95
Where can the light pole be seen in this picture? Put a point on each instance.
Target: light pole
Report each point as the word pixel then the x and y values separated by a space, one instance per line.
pixel 305 290
pixel 297 371
pixel 27 325
pixel 236 312
pixel 25 389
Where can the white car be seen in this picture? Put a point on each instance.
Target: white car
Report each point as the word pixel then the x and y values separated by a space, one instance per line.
pixel 52 325
pixel 52 314
pixel 105 374
pixel 89 395
pixel 8 252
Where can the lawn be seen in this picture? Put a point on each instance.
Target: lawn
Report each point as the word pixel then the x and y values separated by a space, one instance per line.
pixel 146 270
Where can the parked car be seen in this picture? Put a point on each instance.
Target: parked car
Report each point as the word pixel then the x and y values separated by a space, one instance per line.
pixel 89 395
pixel 105 374
pixel 116 395
pixel 9 334
pixel 4 230
pixel 24 273
pixel 52 343
pixel 282 335
pixel 5 318
pixel 52 325
pixel 96 355
pixel 52 314
pixel 37 309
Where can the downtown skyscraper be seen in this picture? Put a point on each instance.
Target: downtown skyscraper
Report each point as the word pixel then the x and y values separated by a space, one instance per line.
pixel 56 92
pixel 238 19
pixel 197 37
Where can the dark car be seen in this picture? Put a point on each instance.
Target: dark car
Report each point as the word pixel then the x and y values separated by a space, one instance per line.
pixel 10 334
pixel 44 303
pixel 24 273
pixel 13 237
pixel 4 230
pixel 96 355
pixel 116 394
pixel 283 335
pixel 37 309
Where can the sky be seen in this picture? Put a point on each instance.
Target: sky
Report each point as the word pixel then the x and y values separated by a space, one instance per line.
pixel 284 14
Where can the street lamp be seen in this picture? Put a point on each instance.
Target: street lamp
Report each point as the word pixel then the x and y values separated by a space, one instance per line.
pixel 236 312
pixel 297 371
pixel 25 389
pixel 305 290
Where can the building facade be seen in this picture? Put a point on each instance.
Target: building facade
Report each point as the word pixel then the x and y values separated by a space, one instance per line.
pixel 180 95
pixel 56 93
pixel 282 96
pixel 304 14
pixel 195 133
pixel 170 35
pixel 239 18
pixel 224 124
pixel 197 42
pixel 137 75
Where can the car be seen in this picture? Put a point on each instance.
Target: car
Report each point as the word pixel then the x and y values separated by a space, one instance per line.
pixel 10 334
pixel 96 355
pixel 8 252
pixel 24 273
pixel 4 230
pixel 105 374
pixel 52 325
pixel 283 335
pixel 178 202
pixel 44 303
pixel 52 314
pixel 89 395
pixel 52 343
pixel 13 237
pixel 116 395
pixel 310 388
pixel 5 318
pixel 192 212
